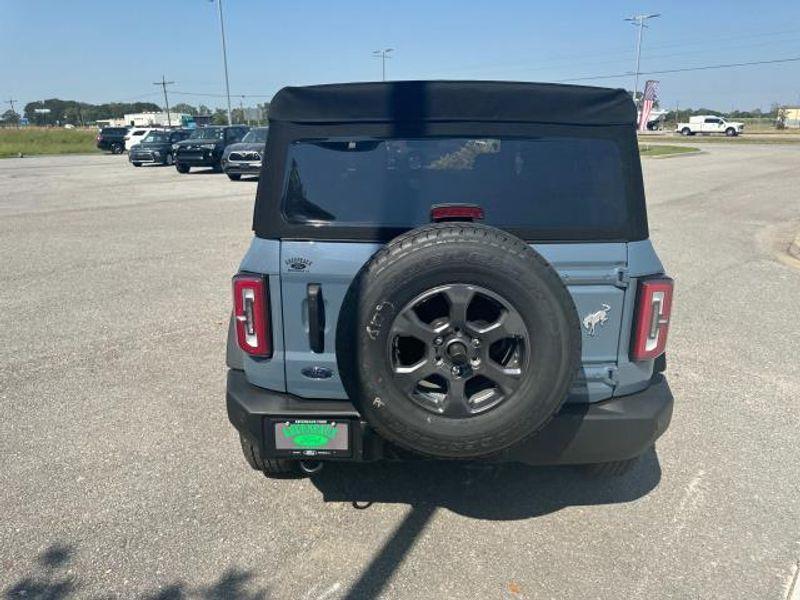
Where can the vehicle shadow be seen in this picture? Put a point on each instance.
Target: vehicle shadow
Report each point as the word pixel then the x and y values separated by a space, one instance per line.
pixel 498 492
pixel 482 491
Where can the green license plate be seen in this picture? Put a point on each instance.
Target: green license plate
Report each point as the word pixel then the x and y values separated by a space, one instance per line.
pixel 311 437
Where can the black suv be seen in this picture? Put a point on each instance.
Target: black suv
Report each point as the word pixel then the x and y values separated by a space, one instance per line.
pixel 156 147
pixel 205 146
pixel 112 139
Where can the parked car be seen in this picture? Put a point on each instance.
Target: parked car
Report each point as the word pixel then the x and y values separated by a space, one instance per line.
pixel 156 147
pixel 707 124
pixel 469 281
pixel 244 158
pixel 205 146
pixel 112 139
pixel 136 135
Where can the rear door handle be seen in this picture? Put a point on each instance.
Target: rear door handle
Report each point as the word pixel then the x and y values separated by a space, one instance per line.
pixel 316 318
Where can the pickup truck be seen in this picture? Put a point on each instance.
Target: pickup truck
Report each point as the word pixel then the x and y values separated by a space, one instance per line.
pixel 706 124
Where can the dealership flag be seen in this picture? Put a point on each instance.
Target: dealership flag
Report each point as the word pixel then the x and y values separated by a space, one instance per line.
pixel 650 95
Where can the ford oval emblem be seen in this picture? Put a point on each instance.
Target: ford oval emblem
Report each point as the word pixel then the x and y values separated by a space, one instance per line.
pixel 317 372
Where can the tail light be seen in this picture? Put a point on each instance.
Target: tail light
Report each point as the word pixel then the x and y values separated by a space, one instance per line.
pixel 251 315
pixel 651 326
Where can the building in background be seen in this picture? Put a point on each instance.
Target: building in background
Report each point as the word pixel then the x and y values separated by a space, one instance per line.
pixel 154 119
pixel 792 117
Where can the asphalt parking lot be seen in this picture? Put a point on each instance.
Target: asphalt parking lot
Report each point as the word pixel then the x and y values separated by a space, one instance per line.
pixel 121 476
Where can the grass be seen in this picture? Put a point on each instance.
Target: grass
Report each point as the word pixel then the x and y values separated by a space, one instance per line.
pixel 664 150
pixel 43 140
pixel 745 138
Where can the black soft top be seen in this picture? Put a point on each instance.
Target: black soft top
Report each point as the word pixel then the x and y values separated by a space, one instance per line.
pixel 453 101
pixel 445 109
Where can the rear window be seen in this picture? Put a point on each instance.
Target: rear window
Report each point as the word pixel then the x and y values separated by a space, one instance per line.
pixel 553 183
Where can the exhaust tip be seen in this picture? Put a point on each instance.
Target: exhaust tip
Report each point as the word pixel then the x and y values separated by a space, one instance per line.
pixel 309 467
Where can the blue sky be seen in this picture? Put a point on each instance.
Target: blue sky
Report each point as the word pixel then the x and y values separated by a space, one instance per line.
pixel 112 50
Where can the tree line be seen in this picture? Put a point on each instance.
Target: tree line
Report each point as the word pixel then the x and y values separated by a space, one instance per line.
pixel 78 113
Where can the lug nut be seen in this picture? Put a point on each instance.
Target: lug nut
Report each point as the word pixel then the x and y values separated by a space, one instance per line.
pixel 438 341
pixel 475 342
pixel 455 371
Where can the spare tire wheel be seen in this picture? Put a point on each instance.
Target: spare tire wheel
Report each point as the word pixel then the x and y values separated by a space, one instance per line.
pixel 457 340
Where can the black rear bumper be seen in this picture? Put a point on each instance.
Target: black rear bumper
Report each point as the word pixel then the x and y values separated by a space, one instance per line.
pixel 611 430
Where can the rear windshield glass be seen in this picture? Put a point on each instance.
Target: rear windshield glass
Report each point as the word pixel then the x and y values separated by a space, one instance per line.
pixel 558 183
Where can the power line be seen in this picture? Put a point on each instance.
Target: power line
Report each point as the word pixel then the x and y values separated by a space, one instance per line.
pixel 164 83
pixel 216 95
pixel 686 69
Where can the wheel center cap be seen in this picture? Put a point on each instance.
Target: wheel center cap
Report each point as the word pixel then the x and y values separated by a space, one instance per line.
pixel 458 352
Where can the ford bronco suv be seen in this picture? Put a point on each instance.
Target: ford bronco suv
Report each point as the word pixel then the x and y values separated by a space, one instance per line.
pixel 451 270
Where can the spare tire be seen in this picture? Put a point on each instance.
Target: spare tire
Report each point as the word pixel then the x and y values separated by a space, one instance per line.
pixel 457 340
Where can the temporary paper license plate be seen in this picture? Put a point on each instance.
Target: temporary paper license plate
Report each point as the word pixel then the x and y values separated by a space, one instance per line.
pixel 312 437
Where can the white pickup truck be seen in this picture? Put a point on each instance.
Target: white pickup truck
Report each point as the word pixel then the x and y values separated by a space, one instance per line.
pixel 709 124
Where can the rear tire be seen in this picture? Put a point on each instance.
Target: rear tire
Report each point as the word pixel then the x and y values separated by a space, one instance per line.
pixel 276 468
pixel 234 176
pixel 137 164
pixel 182 168
pixel 117 148
pixel 686 131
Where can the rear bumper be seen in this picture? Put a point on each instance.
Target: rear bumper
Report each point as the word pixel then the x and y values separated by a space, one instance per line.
pixel 611 430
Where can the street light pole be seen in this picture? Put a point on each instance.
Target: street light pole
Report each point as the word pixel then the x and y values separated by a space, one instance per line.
pixel 639 20
pixel 224 59
pixel 383 55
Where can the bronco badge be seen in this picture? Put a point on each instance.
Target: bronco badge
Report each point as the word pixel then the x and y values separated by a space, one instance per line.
pixel 593 320
pixel 297 264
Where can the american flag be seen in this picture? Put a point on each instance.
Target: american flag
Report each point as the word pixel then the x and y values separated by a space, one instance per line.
pixel 648 98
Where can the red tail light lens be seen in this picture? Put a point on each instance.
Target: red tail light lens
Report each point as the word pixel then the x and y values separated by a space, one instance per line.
pixel 251 315
pixel 653 310
pixel 456 212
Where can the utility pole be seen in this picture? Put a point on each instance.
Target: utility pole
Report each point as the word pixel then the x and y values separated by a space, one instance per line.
pixel 224 58
pixel 639 20
pixel 241 108
pixel 383 55
pixel 11 103
pixel 164 83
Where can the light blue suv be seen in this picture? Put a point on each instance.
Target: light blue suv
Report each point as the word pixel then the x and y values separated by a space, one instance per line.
pixel 454 270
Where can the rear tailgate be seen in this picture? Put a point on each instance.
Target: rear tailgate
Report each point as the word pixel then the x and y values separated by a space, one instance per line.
pixel 594 274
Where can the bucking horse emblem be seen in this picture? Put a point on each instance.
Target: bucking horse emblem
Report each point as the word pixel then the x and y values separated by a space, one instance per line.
pixel 595 319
